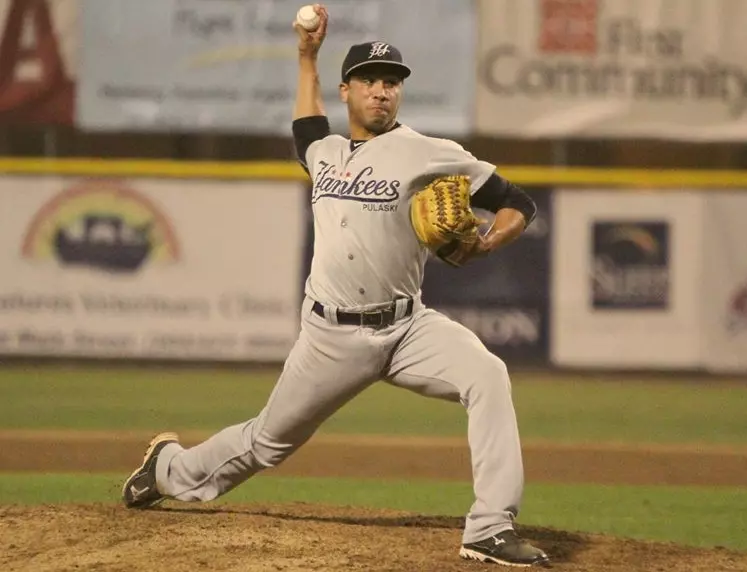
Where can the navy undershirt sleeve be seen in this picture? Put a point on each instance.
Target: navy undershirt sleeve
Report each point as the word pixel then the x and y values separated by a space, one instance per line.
pixel 306 130
pixel 498 193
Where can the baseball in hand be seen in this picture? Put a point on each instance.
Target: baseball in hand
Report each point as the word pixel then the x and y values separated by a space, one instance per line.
pixel 307 18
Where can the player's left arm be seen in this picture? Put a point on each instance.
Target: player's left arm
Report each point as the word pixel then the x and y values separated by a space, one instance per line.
pixel 513 208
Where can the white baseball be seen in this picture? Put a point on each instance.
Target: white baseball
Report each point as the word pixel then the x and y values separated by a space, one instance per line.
pixel 307 18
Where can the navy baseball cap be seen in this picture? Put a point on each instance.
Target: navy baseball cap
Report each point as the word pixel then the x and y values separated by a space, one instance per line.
pixel 368 53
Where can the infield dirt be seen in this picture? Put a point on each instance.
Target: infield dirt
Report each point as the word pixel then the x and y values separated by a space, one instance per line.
pixel 300 537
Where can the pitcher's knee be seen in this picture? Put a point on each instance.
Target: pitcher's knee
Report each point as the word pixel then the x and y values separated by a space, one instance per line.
pixel 489 378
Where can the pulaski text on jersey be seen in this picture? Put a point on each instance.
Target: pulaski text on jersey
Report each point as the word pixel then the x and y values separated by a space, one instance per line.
pixel 336 183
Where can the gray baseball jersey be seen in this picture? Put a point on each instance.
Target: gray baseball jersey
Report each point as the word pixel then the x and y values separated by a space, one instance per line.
pixel 366 256
pixel 365 251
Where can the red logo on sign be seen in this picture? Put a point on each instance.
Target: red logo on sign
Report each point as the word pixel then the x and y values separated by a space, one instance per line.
pixel 47 98
pixel 737 318
pixel 568 26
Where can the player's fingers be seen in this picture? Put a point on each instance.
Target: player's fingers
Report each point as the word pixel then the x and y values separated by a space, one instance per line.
pixel 303 34
pixel 482 246
pixel 323 18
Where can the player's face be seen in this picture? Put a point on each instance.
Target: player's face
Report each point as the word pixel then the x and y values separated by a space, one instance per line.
pixel 373 99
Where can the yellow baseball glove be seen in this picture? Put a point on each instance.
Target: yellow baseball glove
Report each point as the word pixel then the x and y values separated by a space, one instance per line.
pixel 443 219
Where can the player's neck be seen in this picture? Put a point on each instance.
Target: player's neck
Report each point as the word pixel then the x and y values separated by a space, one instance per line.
pixel 359 133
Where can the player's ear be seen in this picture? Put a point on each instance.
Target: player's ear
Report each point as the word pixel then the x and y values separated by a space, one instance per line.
pixel 344 92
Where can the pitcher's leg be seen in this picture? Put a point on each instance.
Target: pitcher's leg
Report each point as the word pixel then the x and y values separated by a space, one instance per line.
pixel 324 370
pixel 441 358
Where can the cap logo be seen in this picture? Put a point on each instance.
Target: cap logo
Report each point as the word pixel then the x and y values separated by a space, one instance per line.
pixel 378 50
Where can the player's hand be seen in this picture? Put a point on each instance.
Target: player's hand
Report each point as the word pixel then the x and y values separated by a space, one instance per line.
pixel 467 251
pixel 310 42
pixel 507 226
pixel 481 247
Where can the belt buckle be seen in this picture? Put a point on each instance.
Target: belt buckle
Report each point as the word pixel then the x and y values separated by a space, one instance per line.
pixel 370 313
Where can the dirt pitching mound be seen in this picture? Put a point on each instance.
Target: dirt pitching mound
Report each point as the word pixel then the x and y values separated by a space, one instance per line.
pixel 296 538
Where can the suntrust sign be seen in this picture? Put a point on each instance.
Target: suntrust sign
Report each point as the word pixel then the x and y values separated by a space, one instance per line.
pixel 664 68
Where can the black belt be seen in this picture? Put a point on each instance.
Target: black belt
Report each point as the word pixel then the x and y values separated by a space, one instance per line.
pixel 375 318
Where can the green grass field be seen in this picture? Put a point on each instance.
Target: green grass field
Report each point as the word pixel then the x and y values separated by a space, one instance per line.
pixel 562 408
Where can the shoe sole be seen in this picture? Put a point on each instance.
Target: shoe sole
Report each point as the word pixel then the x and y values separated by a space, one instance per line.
pixel 157 440
pixel 469 554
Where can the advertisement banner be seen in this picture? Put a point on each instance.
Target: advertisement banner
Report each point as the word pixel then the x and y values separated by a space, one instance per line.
pixel 626 283
pixel 725 273
pixel 669 69
pixel 630 264
pixel 232 66
pixel 503 298
pixel 38 43
pixel 145 268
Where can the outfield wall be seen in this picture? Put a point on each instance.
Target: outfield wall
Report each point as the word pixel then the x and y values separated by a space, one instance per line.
pixel 206 261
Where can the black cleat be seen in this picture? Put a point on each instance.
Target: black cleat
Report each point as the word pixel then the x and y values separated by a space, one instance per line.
pixel 505 548
pixel 140 490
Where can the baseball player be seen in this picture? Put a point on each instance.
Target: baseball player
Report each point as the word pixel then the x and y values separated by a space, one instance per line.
pixel 362 316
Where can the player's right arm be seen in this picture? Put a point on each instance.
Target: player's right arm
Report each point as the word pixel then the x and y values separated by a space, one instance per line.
pixel 310 123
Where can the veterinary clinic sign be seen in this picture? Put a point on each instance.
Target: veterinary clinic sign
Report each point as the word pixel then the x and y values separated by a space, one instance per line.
pixel 136 268
pixel 671 69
